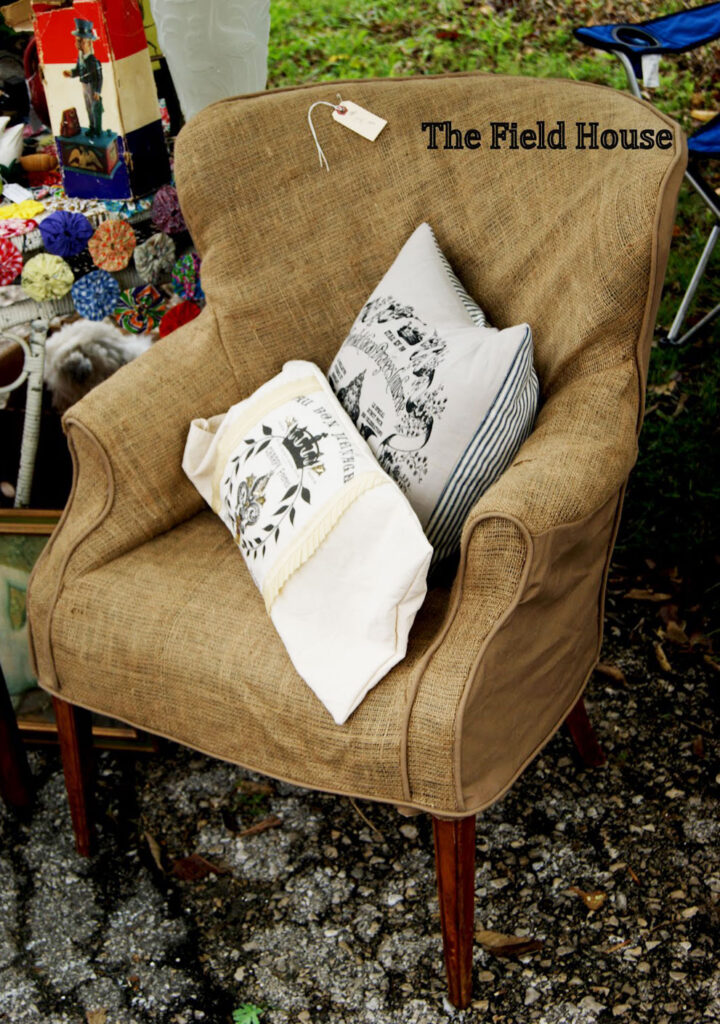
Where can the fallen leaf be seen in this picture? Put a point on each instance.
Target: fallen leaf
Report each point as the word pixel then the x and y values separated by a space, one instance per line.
pixel 663 389
pixel 612 671
pixel 698 746
pixel 195 867
pixel 620 945
pixel 507 945
pixel 662 658
pixel 272 822
pixel 669 613
pixel 682 402
pixel 634 877
pixel 592 900
pixel 645 595
pixel 702 115
pixel 700 640
pixel 96 1016
pixel 447 33
pixel 251 788
pixel 155 850
pixel 675 633
pixel 709 661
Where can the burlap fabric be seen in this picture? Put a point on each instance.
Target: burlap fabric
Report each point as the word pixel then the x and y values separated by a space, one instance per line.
pixel 142 608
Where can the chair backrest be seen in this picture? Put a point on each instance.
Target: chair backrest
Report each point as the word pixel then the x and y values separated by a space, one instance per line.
pixel 564 238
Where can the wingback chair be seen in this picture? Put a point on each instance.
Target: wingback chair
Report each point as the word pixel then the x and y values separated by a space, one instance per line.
pixel 141 607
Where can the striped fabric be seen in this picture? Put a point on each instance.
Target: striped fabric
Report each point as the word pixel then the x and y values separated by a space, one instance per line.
pixel 475 313
pixel 492 448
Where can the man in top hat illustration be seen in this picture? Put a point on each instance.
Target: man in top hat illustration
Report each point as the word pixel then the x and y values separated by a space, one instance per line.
pixel 89 70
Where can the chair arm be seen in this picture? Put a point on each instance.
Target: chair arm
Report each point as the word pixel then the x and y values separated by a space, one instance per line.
pixel 127 437
pixel 523 626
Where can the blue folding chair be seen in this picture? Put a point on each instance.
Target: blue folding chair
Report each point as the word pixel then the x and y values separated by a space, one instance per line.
pixel 673 33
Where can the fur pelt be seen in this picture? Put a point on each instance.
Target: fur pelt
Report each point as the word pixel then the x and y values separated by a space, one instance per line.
pixel 83 354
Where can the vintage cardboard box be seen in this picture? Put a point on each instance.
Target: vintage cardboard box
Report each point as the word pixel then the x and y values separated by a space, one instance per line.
pixel 101 98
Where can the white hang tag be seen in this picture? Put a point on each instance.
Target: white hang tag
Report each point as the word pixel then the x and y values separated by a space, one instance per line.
pixel 358 119
pixel 651 70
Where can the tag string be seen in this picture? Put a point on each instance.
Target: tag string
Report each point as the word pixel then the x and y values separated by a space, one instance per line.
pixel 323 103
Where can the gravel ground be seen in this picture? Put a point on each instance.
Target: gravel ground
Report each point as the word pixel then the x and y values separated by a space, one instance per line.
pixel 331 915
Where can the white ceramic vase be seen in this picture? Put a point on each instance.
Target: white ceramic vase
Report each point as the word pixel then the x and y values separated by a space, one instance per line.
pixel 214 48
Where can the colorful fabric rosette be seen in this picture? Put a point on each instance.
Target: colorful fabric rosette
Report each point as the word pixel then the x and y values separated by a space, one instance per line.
pixel 47 277
pixel 26 210
pixel 96 294
pixel 65 234
pixel 81 264
pixel 166 213
pixel 155 258
pixel 139 309
pixel 11 262
pixel 177 316
pixel 12 226
pixel 186 277
pixel 112 245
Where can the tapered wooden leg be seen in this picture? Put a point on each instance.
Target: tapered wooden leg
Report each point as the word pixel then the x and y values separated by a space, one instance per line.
pixel 455 865
pixel 75 735
pixel 583 736
pixel 15 778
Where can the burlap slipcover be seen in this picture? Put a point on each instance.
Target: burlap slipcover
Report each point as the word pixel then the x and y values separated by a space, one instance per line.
pixel 141 607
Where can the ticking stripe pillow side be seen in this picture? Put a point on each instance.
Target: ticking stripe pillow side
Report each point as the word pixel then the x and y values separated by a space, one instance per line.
pixel 489 452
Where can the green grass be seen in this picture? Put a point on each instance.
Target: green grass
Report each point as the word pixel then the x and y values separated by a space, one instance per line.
pixel 671 511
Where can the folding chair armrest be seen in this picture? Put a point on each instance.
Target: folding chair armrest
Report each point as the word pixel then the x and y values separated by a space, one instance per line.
pixel 671 33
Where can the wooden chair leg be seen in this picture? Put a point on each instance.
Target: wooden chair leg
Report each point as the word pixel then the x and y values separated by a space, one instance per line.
pixel 15 778
pixel 75 736
pixel 583 736
pixel 455 865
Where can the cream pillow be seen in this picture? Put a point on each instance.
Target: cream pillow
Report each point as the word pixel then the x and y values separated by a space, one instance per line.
pixel 331 542
pixel 443 400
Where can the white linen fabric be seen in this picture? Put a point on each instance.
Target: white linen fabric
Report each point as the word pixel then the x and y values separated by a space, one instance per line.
pixel 443 399
pixel 331 542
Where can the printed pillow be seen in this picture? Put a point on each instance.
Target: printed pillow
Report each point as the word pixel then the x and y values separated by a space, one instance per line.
pixel 330 541
pixel 443 399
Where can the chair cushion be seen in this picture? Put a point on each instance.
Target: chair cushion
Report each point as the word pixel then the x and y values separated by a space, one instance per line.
pixel 443 400
pixel 330 541
pixel 173 637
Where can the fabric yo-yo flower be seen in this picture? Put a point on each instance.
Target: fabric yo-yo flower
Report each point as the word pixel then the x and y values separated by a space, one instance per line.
pixel 81 264
pixel 65 234
pixel 96 295
pixel 178 315
pixel 166 212
pixel 155 258
pixel 112 245
pixel 25 210
pixel 12 226
pixel 186 277
pixel 47 277
pixel 11 262
pixel 139 309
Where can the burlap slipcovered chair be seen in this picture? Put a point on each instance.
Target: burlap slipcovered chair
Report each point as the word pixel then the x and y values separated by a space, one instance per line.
pixel 141 607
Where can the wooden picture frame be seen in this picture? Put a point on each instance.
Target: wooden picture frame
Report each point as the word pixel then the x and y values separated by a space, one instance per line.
pixel 23 535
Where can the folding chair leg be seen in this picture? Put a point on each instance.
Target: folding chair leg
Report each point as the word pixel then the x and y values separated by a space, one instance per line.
pixel 15 778
pixel 674 332
pixel 455 866
pixel 75 736
pixel 583 736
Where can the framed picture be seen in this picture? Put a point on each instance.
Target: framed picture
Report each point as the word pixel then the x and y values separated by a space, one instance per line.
pixel 23 535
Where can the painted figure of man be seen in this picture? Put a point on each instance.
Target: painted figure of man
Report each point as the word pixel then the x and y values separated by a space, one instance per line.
pixel 89 70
